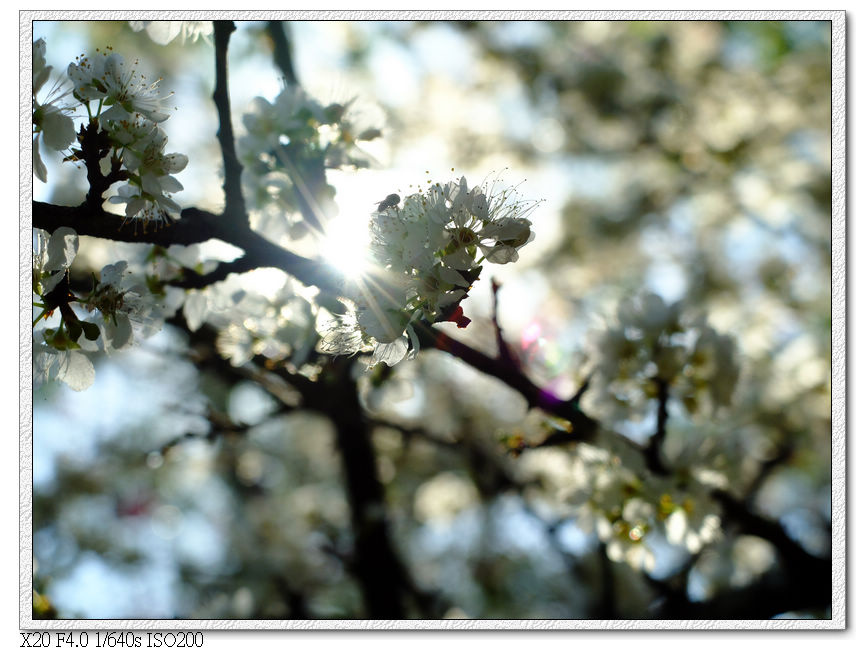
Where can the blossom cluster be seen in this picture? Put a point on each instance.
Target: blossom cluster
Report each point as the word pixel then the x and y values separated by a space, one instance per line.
pixel 427 253
pixel 125 110
pixel 653 344
pixel 146 196
pixel 288 144
pixel 605 489
pixel 129 111
pixel 115 302
pixel 629 509
pixel 115 84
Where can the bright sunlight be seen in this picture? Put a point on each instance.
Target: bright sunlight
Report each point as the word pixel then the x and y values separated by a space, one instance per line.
pixel 345 245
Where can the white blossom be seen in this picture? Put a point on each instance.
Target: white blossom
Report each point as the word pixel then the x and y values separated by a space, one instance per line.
pixel 427 254
pixel 69 366
pixel 146 196
pixel 119 86
pixel 53 255
pixel 290 137
pixel 52 125
pixel 56 357
pixel 121 304
pixel 165 31
pixel 651 343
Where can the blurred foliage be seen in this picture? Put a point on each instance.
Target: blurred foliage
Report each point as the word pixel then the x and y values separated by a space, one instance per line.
pixel 690 159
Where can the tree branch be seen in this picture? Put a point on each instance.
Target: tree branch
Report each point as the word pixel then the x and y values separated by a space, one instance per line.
pixel 753 524
pixel 95 146
pixel 194 227
pixel 192 280
pixel 282 51
pixel 234 204
pixel 585 428
pixel 383 577
pixel 653 450
pixel 763 599
pixel 504 351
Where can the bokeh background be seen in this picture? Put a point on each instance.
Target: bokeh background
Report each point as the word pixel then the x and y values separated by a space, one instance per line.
pixel 688 159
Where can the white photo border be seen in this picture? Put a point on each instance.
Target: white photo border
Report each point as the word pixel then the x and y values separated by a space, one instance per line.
pixel 839 328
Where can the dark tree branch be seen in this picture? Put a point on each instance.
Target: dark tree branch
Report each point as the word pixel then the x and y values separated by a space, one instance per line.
pixel 95 145
pixel 653 450
pixel 605 606
pixel 504 351
pixel 193 280
pixel 585 428
pixel 556 439
pixel 751 523
pixel 195 226
pixel 382 576
pixel 282 51
pixel 784 454
pixel 583 387
pixel 384 579
pixel 220 424
pixel 234 204
pixel 763 599
pixel 295 599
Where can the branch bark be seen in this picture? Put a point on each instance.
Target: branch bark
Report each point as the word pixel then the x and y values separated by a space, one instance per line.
pixel 194 227
pixel 382 576
pixel 653 451
pixel 282 51
pixel 234 204
pixel 584 427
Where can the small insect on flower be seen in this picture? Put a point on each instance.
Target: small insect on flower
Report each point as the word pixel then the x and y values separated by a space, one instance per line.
pixel 390 201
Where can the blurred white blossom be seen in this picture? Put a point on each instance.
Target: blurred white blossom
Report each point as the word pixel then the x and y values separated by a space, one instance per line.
pixel 52 125
pixel 54 254
pixel 69 366
pixel 165 31
pixel 288 142
pixel 651 343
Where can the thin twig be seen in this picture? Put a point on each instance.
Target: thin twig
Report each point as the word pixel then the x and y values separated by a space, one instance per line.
pixel 408 432
pixel 583 388
pixel 504 350
pixel 653 449
pixel 785 453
